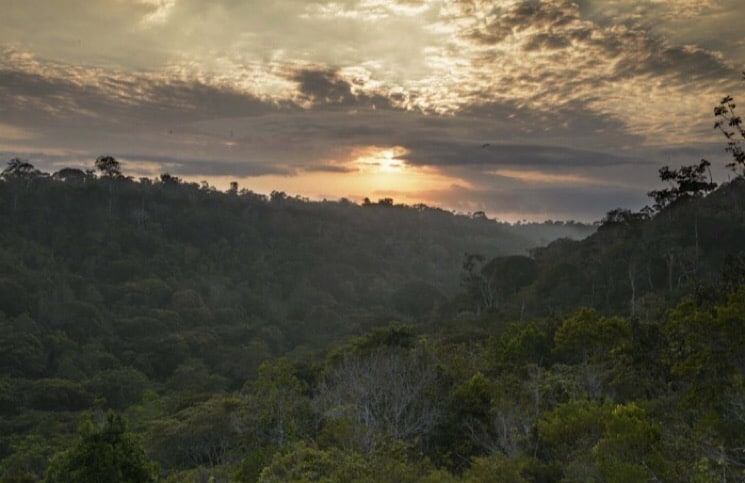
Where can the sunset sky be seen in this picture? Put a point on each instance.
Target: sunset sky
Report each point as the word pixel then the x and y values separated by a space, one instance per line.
pixel 525 109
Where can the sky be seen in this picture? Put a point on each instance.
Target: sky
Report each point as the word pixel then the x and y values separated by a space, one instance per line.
pixel 524 109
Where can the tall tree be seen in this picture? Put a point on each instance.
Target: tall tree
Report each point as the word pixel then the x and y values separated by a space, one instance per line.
pixel 20 173
pixel 109 166
pixel 19 168
pixel 685 182
pixel 732 127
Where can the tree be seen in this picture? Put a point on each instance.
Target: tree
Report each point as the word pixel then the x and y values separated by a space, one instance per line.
pixel 69 175
pixel 278 412
pixel 168 179
pixel 21 347
pixel 497 467
pixel 730 124
pixel 629 449
pixel 21 171
pixel 473 280
pixel 506 276
pixel 110 453
pixel 623 216
pixel 306 463
pixel 19 168
pixel 108 166
pixel 589 341
pixel 707 346
pixel 386 393
pixel 200 435
pixel 685 182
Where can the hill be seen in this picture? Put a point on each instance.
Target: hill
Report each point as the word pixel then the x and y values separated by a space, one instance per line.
pixel 251 338
pixel 634 265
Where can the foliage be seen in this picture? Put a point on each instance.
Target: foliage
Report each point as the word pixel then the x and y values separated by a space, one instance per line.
pixel 305 463
pixel 688 181
pixel 109 453
pixel 730 124
pixel 277 409
pixel 108 166
pixel 19 168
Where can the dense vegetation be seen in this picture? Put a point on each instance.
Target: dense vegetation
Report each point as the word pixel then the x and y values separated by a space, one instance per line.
pixel 161 330
pixel 115 293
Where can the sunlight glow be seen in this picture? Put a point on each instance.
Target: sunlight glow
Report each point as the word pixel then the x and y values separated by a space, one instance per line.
pixel 380 160
pixel 373 171
pixel 548 178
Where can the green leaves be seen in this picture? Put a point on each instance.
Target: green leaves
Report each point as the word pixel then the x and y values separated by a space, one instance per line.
pixel 731 126
pixel 707 346
pixel 277 410
pixel 204 434
pixel 602 441
pixel 108 453
pixel 586 336
pixel 21 347
pixel 629 449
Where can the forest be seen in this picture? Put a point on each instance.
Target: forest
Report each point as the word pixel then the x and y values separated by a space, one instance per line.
pixel 161 330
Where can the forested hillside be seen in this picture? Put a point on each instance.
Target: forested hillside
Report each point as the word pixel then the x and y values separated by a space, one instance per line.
pixel 229 336
pixel 636 264
pixel 234 337
pixel 114 292
pixel 164 331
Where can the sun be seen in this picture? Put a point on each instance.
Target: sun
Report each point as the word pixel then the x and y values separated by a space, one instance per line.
pixel 389 164
pixel 374 159
pixel 369 171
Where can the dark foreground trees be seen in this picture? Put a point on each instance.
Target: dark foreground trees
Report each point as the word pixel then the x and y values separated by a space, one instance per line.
pixel 731 126
pixel 109 453
pixel 686 182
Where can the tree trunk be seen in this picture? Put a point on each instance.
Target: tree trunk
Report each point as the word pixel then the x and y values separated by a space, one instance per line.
pixel 632 281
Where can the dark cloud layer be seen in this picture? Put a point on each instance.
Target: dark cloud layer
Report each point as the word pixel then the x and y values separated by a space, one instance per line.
pixel 31 98
pixel 323 87
pixel 509 155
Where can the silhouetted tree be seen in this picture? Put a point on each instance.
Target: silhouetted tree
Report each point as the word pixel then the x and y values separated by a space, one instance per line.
pixel 108 166
pixel 687 181
pixel 277 197
pixel 623 216
pixel 69 174
pixel 169 179
pixel 731 126
pixel 21 172
pixel 19 168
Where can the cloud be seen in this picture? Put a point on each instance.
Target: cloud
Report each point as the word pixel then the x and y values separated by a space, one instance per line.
pixel 77 94
pixel 551 53
pixel 233 132
pixel 509 155
pixel 597 91
pixel 204 167
pixel 326 86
